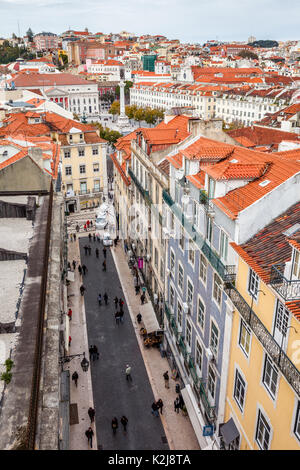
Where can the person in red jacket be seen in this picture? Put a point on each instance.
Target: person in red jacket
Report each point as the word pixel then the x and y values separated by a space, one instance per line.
pixel 70 313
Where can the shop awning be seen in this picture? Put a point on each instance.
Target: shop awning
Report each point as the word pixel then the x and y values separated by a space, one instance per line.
pixel 149 318
pixel 229 431
pixel 193 411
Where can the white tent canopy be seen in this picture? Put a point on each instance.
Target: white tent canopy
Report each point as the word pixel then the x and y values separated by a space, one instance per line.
pixel 149 317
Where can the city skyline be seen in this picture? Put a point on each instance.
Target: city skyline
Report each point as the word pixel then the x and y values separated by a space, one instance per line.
pixel 177 19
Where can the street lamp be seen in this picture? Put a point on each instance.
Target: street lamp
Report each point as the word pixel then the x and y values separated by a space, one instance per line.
pixel 259 290
pixel 282 339
pixel 84 363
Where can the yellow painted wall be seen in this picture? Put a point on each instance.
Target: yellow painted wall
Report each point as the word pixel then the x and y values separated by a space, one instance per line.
pixel 279 411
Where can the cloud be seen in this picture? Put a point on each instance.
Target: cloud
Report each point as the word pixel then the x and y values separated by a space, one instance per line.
pixel 187 20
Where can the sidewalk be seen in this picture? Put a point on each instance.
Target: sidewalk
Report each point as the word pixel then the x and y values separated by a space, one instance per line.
pixel 83 394
pixel 178 428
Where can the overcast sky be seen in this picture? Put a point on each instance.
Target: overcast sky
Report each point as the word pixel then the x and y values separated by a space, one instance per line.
pixel 187 20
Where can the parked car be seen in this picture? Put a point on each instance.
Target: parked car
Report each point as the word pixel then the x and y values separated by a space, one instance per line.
pixel 107 241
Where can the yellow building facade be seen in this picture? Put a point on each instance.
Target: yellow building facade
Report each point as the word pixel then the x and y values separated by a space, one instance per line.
pixel 263 379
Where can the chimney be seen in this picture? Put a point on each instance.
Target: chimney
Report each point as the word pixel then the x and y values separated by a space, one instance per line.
pixel 37 155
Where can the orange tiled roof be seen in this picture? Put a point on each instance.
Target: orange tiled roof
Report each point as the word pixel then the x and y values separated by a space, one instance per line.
pixel 197 180
pixel 228 171
pixel 175 160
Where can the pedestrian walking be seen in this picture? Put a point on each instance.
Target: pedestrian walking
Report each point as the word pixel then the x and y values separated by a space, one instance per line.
pixel 75 377
pixel 117 317
pixel 137 289
pixel 84 269
pixel 77 228
pixel 88 224
pixel 70 314
pixel 82 289
pixel 143 298
pixel 139 318
pixel 86 249
pixel 176 405
pixel 89 434
pixel 114 425
pixel 115 242
pixel 116 300
pixel 71 237
pixel 91 223
pixel 91 351
pixel 74 264
pixel 74 237
pixel 90 237
pixel 124 422
pixel 166 379
pixel 104 252
pixel 69 266
pixel 121 303
pixel 128 372
pixel 84 227
pixel 160 405
pixel 121 316
pixel 181 402
pixel 105 297
pixel 94 237
pixel 89 249
pixel 70 340
pixel 104 265
pixel 100 299
pixel 155 409
pixel 91 413
pixel 96 352
pixel 80 270
pixel 98 238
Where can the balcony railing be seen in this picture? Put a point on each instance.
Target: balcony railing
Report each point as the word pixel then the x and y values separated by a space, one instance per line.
pixel 287 289
pixel 226 272
pixel 144 193
pixel 290 372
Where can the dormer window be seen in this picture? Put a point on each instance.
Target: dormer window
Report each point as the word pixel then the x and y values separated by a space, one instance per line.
pixel 296 265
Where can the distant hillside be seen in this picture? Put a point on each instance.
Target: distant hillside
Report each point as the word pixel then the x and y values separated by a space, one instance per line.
pixel 264 43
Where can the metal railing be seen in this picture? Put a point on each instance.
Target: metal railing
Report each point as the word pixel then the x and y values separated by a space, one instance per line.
pixel 288 369
pixel 287 289
pixel 226 272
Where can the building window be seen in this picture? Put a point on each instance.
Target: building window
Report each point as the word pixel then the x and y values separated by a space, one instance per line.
pixel 172 297
pixel 188 333
pixel 179 314
pixel 214 338
pixel 68 170
pixel 95 167
pixel 81 169
pixel 200 313
pixel 181 239
pixel 217 289
pixel 203 268
pixel 296 265
pixel 239 390
pixel 95 151
pixel 80 152
pixel 156 258
pixel 199 356
pixel 253 284
pixel 297 422
pixel 209 230
pixel 191 253
pixel 281 322
pixel 97 185
pixel 270 376
pixel 190 292
pixel 180 276
pixel 172 262
pixel 223 245
pixel 245 337
pixel 211 382
pixel 263 432
pixel 67 154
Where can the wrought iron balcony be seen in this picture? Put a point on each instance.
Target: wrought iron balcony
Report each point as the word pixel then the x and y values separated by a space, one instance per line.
pixel 209 409
pixel 287 289
pixel 144 193
pixel 226 272
pixel 288 369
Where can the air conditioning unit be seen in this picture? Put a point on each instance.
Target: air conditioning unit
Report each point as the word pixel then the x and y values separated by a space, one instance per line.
pixel 148 257
pixel 185 307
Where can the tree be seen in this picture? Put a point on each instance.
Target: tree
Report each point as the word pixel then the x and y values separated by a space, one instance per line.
pixel 140 115
pixel 107 98
pixel 130 111
pixel 106 133
pixel 115 108
pixel 29 34
pixel 248 54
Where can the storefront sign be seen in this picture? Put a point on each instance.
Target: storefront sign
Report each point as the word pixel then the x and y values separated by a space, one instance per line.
pixel 208 430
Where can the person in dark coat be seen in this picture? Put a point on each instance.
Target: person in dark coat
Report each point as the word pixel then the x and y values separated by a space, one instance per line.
pixel 143 298
pixel 82 289
pixel 90 236
pixel 104 252
pixel 114 425
pixel 116 301
pixel 160 405
pixel 121 316
pixel 97 253
pixel 177 404
pixel 100 299
pixel 91 413
pixel 75 377
pixel 104 265
pixel 124 422
pixel 89 434
pixel 84 269
pixel 94 237
pixel 80 270
pixel 105 297
pixel 77 228
pixel 91 351
pixel 139 318
pixel 155 409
